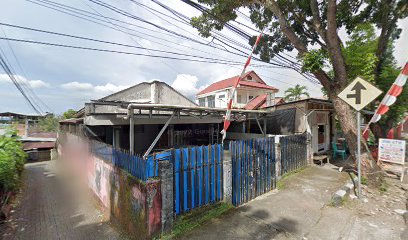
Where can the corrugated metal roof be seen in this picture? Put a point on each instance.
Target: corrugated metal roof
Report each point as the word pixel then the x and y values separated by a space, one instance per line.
pixel 38 145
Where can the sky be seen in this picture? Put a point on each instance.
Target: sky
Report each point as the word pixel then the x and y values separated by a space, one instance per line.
pixel 64 78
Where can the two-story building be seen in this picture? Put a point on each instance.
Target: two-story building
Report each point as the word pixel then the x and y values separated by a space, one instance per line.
pixel 250 87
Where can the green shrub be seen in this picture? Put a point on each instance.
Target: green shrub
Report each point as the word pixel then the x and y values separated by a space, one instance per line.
pixel 12 158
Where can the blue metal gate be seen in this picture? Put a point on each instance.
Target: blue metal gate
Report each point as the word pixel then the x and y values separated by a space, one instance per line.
pixel 253 168
pixel 198 177
pixel 293 152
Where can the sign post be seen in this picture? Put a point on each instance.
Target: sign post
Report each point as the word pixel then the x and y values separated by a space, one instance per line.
pixel 358 94
pixel 359 152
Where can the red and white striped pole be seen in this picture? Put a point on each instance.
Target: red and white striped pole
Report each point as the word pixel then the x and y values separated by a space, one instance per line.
pixel 389 98
pixel 227 118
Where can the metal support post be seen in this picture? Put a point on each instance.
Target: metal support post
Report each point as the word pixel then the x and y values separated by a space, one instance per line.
pixel 259 125
pixel 359 153
pixel 159 135
pixel 131 132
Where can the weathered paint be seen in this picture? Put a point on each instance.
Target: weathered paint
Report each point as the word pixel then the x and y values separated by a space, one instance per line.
pixel 130 203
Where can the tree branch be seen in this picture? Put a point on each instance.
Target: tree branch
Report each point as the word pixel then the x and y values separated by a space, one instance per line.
pixel 317 21
pixel 284 26
pixel 334 45
pixel 387 27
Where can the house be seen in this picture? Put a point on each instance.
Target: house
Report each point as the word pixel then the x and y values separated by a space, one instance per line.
pixel 152 117
pixel 249 88
pixel 151 105
pixel 39 145
pixel 312 115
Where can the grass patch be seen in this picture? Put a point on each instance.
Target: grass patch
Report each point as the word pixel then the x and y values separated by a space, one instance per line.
pixel 341 203
pixel 384 187
pixel 196 218
pixel 281 182
pixel 364 180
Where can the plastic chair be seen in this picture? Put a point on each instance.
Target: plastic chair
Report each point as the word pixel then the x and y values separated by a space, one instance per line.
pixel 345 147
pixel 336 151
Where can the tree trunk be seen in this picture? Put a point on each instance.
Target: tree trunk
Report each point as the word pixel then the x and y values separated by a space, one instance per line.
pixel 347 120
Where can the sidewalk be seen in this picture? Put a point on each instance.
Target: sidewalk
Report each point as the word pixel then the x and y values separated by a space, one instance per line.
pixel 52 208
pixel 301 210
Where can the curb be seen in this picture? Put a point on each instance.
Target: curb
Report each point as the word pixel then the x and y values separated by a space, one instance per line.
pixel 340 195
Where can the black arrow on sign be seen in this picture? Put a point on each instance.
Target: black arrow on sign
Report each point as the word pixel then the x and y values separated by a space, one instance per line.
pixel 357 95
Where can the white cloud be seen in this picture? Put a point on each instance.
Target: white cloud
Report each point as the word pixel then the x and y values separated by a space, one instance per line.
pixel 109 88
pixel 38 83
pixel 77 86
pixel 95 91
pixel 187 84
pixel 4 78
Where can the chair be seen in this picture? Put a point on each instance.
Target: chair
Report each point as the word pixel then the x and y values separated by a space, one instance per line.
pixel 345 147
pixel 336 151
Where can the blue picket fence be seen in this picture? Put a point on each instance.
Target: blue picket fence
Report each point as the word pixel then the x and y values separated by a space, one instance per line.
pixel 253 168
pixel 134 164
pixel 198 177
pixel 293 151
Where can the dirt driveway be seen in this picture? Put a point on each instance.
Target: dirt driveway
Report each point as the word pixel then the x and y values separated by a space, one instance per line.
pixel 302 210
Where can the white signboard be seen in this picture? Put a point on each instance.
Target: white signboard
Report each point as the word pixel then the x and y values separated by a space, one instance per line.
pixel 391 150
pixel 359 93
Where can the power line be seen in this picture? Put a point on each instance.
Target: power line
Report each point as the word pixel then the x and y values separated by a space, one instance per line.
pixel 121 52
pixel 93 21
pixel 24 83
pixel 185 19
pixel 108 42
pixel 10 74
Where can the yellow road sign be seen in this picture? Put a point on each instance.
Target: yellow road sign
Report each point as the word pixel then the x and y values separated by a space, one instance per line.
pixel 359 93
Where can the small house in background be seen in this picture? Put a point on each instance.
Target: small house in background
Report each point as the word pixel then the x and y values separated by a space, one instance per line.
pixel 39 145
pixel 249 88
pixel 312 115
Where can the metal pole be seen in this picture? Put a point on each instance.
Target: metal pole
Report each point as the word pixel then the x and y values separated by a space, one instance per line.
pixel 132 132
pixel 259 125
pixel 159 135
pixel 359 153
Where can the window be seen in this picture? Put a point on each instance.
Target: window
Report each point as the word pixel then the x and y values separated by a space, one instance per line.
pixel 221 96
pixel 250 97
pixel 211 101
pixel 249 78
pixel 201 102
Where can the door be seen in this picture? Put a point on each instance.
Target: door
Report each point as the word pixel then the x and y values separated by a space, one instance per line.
pixel 321 137
pixel 116 137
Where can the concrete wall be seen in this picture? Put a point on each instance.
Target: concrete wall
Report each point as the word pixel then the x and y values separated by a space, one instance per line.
pixel 153 92
pixel 133 205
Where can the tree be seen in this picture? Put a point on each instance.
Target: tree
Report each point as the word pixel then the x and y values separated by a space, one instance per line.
pixel 363 45
pixel 48 123
pixel 295 93
pixel 311 27
pixel 70 113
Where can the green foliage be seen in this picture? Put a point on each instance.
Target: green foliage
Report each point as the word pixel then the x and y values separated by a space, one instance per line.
pixel 360 53
pixel 363 45
pixel 12 158
pixel 384 187
pixel 68 114
pixel 314 60
pixel 295 93
pixel 48 123
pixel 363 180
